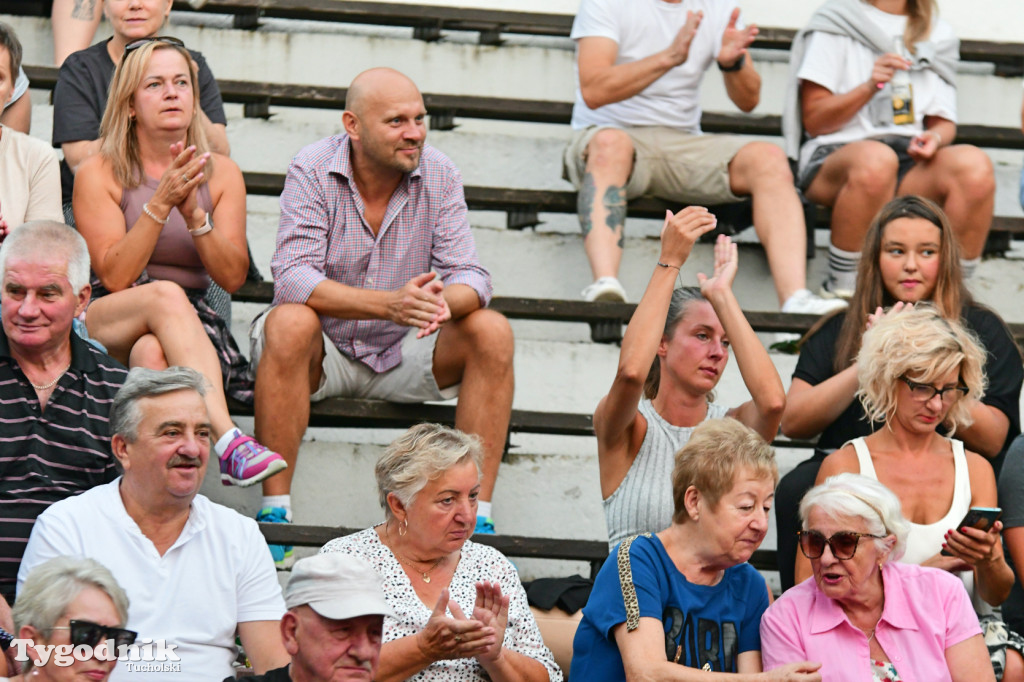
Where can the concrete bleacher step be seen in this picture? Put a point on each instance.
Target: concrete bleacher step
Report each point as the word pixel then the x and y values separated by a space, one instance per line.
pixel 549 487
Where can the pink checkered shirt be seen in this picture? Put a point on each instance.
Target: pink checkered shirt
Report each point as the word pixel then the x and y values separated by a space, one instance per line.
pixel 323 235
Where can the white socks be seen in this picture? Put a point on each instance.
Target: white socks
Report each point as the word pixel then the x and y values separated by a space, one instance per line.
pixel 222 444
pixel 283 501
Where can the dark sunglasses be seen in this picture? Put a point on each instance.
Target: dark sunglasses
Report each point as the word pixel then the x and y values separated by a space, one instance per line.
pixel 843 544
pixel 922 393
pixel 136 44
pixel 86 632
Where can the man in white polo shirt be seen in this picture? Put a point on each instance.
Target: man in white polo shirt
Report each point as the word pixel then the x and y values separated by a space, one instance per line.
pixel 196 572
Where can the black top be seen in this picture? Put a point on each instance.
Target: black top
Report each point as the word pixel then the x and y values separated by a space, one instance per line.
pixel 1002 367
pixel 277 675
pixel 80 97
pixel 55 453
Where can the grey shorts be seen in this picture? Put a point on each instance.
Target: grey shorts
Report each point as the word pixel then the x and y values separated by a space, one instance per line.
pixel 411 381
pixel 667 163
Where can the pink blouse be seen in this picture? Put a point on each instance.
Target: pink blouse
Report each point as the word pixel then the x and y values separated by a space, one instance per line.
pixel 927 610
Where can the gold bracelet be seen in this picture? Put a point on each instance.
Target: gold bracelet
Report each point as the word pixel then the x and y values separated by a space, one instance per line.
pixel 145 209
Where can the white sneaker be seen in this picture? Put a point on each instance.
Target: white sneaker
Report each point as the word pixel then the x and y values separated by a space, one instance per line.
pixel 830 291
pixel 803 301
pixel 606 289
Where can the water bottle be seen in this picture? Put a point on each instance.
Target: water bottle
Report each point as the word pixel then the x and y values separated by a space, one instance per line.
pixel 902 90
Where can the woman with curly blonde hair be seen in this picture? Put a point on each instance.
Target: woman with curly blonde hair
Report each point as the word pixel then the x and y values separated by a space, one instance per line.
pixel 918 370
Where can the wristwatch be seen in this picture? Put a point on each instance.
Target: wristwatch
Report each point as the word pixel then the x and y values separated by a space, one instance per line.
pixel 736 66
pixel 202 229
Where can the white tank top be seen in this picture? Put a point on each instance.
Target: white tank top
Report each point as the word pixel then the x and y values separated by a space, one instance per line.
pixel 925 540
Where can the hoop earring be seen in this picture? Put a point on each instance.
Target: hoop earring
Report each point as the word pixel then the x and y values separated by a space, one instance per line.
pixel 403 527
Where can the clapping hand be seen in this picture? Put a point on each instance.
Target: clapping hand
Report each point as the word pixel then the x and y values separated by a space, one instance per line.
pixel 445 638
pixel 681 231
pixel 735 41
pixel 178 184
pixel 726 264
pixel 679 50
pixel 420 303
pixel 491 609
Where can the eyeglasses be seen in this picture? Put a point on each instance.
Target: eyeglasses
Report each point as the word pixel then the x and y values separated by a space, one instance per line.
pixel 922 393
pixel 86 632
pixel 843 544
pixel 136 44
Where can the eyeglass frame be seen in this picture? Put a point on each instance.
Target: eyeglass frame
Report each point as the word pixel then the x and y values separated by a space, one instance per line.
pixel 136 44
pixel 915 385
pixel 107 632
pixel 800 534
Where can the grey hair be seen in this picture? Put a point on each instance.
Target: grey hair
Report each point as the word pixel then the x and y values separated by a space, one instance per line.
pixel 52 586
pixel 9 41
pixel 858 496
pixel 125 414
pixel 45 238
pixel 677 309
pixel 419 455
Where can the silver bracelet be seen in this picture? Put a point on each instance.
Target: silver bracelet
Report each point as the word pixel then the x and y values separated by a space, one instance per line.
pixel 667 265
pixel 145 209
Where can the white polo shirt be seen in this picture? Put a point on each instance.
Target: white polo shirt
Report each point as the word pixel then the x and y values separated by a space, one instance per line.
pixel 217 574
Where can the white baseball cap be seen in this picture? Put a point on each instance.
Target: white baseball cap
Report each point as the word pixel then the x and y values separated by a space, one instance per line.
pixel 337 586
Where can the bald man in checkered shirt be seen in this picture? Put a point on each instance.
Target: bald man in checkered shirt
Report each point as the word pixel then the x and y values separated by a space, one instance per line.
pixel 378 291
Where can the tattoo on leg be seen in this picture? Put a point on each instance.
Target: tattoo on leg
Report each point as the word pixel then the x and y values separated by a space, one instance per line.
pixel 585 203
pixel 615 204
pixel 83 9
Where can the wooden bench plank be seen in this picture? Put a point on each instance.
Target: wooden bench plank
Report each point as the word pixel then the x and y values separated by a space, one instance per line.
pixel 593 551
pixel 530 111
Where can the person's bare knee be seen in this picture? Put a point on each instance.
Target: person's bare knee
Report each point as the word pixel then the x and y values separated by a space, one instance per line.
pixel 168 299
pixel 147 352
pixel 1014 669
pixel 973 173
pixel 292 336
pixel 759 163
pixel 491 337
pixel 610 153
pixel 872 174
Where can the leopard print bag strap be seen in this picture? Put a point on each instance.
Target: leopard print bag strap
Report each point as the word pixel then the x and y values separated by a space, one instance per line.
pixel 626 582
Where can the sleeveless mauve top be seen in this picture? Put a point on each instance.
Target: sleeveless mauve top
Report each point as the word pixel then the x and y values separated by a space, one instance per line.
pixel 175 257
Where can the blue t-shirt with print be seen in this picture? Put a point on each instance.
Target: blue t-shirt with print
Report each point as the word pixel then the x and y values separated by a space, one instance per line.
pixel 706 626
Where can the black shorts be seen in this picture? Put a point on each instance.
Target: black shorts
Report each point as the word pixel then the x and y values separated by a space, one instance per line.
pixel 898 143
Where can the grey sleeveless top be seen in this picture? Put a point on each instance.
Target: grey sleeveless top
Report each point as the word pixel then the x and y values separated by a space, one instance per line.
pixel 643 501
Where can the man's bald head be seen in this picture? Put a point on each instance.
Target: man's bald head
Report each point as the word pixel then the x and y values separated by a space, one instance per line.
pixel 369 87
pixel 386 123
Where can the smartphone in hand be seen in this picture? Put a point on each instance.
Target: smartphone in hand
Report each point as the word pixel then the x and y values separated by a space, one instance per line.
pixel 981 518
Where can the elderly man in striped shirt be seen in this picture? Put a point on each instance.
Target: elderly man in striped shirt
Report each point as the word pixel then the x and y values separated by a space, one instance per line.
pixel 56 389
pixel 378 290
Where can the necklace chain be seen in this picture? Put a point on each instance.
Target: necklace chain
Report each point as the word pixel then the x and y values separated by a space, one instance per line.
pixel 423 574
pixel 52 383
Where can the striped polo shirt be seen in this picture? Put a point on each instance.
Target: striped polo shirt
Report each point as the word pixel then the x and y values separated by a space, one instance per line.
pixel 49 454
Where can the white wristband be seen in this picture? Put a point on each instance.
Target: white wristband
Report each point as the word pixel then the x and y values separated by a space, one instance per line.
pixel 202 229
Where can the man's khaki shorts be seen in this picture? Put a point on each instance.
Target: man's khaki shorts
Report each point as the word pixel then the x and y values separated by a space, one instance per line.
pixel 667 163
pixel 411 381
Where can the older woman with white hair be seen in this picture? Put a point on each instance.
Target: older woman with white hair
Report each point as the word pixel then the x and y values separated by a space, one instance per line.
pixel 460 608
pixel 71 601
pixel 918 371
pixel 862 614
